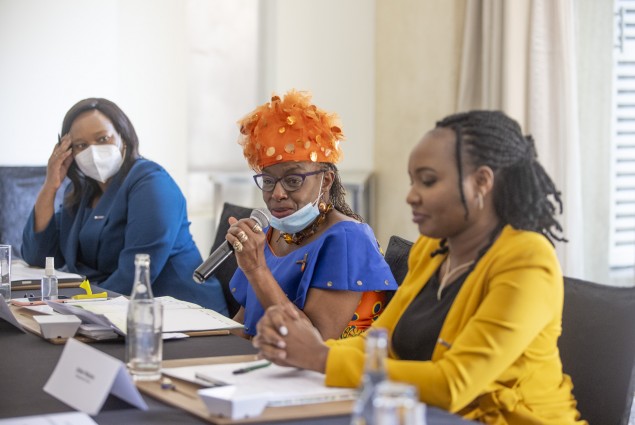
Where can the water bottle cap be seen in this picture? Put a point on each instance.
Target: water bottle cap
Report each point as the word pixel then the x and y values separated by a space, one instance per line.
pixel 142 258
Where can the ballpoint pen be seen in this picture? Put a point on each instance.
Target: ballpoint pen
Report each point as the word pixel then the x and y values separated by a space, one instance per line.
pixel 250 368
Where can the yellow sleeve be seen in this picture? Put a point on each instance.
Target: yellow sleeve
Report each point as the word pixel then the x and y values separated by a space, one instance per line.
pixel 345 362
pixel 524 293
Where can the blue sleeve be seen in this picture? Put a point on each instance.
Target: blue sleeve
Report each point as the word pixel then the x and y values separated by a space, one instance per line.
pixel 37 246
pixel 345 258
pixel 156 210
pixel 351 260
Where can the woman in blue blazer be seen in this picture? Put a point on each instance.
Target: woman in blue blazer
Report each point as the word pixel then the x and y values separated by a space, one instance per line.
pixel 117 205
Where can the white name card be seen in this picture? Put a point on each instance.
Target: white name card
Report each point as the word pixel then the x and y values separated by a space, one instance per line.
pixel 6 314
pixel 84 376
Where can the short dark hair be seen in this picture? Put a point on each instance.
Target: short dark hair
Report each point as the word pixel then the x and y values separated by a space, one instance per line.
pixel 124 128
pixel 524 195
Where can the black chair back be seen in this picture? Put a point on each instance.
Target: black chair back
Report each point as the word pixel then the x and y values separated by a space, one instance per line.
pixel 226 270
pixel 397 257
pixel 19 187
pixel 597 348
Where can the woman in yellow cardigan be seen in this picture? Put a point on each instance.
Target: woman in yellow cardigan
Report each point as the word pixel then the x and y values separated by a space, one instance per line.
pixel 476 321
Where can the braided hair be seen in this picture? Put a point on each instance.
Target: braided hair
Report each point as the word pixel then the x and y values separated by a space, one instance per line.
pixel 524 195
pixel 337 193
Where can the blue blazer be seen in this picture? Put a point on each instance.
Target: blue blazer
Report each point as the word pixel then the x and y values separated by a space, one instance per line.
pixel 144 213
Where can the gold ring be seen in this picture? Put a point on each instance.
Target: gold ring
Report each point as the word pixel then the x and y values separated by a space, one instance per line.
pixel 256 228
pixel 238 247
pixel 242 236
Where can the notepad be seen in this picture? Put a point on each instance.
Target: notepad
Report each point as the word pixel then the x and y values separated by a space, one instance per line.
pixel 178 316
pixel 272 386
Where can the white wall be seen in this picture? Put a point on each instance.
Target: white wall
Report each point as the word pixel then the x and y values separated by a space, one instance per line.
pixel 417 83
pixel 327 47
pixel 56 53
pixel 47 65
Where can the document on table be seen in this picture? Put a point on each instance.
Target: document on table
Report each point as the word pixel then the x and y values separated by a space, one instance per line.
pixel 178 316
pixel 280 385
pixel 22 274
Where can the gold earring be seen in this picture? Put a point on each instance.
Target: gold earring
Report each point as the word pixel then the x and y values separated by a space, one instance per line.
pixel 479 198
pixel 322 206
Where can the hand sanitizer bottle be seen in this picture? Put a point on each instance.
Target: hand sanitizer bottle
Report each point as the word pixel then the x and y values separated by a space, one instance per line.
pixel 49 281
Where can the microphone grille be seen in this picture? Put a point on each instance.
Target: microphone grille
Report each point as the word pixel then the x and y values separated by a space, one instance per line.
pixel 261 216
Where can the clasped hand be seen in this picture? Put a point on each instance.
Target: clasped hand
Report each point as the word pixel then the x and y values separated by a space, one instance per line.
pixel 287 337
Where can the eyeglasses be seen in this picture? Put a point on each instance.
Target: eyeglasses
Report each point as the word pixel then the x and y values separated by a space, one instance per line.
pixel 290 182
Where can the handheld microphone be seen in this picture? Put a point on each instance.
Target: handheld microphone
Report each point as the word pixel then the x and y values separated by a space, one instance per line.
pixel 225 250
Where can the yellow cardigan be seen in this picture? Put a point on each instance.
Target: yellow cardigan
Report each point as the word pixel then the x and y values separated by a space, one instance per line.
pixel 497 358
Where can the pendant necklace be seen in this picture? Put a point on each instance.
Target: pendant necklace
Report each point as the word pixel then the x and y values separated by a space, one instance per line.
pixel 451 273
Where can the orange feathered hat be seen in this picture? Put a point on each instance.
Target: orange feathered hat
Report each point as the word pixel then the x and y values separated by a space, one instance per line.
pixel 290 129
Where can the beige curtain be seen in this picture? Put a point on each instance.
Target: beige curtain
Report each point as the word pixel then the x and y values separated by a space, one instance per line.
pixel 519 57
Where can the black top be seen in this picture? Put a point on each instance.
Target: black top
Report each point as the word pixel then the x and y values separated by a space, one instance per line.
pixel 417 331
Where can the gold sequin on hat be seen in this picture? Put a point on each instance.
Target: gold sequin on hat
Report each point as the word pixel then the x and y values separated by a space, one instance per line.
pixel 290 129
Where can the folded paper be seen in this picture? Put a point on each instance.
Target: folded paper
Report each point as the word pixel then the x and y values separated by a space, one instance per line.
pixel 6 314
pixel 84 376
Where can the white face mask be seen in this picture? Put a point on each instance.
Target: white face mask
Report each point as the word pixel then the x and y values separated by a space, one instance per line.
pixel 300 219
pixel 99 162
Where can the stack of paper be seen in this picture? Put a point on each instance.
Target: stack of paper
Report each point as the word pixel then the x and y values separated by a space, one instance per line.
pixel 247 394
pixel 178 316
pixel 97 332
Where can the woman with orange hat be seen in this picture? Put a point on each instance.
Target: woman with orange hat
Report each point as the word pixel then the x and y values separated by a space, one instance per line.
pixel 316 253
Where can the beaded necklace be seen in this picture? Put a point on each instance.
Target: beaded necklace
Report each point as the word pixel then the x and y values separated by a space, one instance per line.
pixel 297 238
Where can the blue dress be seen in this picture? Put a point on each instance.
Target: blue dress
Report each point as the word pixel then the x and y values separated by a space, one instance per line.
pixel 144 213
pixel 346 257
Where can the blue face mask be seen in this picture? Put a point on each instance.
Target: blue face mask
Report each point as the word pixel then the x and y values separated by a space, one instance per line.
pixel 300 219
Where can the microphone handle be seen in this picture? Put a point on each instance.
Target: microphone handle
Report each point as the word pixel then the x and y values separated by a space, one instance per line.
pixel 210 265
pixel 221 253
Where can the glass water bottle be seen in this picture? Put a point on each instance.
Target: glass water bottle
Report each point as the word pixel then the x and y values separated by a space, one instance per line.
pixel 144 346
pixel 374 373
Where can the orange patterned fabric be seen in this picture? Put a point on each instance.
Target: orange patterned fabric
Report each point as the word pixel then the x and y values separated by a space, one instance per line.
pixel 368 310
pixel 290 129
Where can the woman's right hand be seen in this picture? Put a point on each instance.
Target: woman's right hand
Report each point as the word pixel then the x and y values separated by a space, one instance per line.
pixel 59 161
pixel 56 170
pixel 248 240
